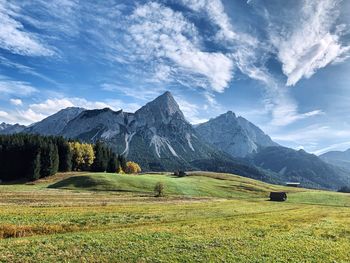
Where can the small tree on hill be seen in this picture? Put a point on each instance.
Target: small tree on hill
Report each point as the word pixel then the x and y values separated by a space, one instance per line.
pixel 159 189
pixel 132 168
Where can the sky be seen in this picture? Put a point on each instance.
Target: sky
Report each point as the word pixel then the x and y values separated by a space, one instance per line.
pixel 283 65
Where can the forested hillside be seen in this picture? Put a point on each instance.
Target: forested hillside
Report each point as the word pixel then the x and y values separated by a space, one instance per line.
pixel 30 157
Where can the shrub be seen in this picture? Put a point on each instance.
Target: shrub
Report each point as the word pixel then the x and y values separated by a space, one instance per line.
pixel 159 189
pixel 132 168
pixel 120 170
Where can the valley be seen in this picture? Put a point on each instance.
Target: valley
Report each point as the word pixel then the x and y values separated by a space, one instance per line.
pixel 81 217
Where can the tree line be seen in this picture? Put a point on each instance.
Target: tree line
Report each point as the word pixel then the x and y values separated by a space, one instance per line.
pixel 30 157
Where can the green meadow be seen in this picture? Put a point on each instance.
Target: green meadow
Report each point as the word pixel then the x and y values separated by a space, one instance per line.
pixel 204 217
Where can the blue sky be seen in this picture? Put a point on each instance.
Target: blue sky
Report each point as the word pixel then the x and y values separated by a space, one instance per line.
pixel 281 64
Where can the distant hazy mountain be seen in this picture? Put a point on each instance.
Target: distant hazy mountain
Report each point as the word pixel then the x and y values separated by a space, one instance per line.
pixel 4 126
pixel 300 166
pixel 54 124
pixel 10 129
pixel 338 158
pixel 234 135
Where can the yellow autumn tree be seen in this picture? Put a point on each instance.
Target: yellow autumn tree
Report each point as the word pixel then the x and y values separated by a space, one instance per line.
pixel 82 155
pixel 132 168
pixel 88 154
pixel 120 170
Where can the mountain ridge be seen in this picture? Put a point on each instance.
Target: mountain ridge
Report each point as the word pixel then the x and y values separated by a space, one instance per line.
pixel 337 158
pixel 235 135
pixel 159 138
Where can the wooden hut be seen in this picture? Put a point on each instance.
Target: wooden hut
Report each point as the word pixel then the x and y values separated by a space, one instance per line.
pixel 278 196
pixel 293 184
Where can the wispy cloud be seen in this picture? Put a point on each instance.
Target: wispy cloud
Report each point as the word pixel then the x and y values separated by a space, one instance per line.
pixel 16 102
pixel 337 146
pixel 15 38
pixel 308 39
pixel 17 88
pixel 164 36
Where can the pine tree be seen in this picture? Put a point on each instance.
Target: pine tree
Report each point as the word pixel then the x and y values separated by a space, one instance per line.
pixel 65 155
pixel 49 159
pixel 122 162
pixel 55 160
pixel 34 171
pixel 112 164
pixel 101 158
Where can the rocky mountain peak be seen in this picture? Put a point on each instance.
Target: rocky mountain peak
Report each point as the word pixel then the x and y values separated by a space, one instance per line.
pixel 54 124
pixel 4 125
pixel 230 114
pixel 162 109
pixel 166 103
pixel 234 135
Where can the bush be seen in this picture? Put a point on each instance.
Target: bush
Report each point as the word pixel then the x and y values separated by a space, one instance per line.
pixel 344 189
pixel 159 189
pixel 132 168
pixel 120 170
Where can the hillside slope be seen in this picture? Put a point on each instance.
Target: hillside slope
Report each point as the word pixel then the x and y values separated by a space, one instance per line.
pixel 234 135
pixel 196 184
pixel 338 158
pixel 301 166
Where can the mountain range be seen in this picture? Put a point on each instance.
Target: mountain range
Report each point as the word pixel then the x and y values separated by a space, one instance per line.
pixel 337 158
pixel 159 138
pixel 11 128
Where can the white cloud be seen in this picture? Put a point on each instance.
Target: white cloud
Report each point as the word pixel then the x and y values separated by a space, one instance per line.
pixel 16 102
pixel 139 92
pixel 14 37
pixel 162 35
pixel 191 111
pixel 334 147
pixel 309 43
pixel 314 137
pixel 215 11
pixel 38 111
pixel 17 88
pixel 3 114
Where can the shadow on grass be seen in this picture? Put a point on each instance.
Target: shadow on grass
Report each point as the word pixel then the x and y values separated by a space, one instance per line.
pixel 16 182
pixel 91 184
pixel 78 182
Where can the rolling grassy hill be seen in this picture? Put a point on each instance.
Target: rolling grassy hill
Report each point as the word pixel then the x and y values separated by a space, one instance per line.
pixel 205 217
pixel 203 184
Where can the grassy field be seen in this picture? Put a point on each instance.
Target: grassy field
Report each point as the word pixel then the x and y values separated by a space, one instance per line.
pixel 204 217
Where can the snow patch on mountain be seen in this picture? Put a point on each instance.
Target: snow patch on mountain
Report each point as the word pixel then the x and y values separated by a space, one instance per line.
pixel 188 138
pixel 159 143
pixel 171 149
pixel 128 138
pixel 109 134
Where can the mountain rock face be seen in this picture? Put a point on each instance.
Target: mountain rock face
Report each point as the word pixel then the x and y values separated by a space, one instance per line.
pixel 338 158
pixel 300 166
pixel 157 135
pixel 11 129
pixel 4 126
pixel 159 138
pixel 234 135
pixel 54 124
